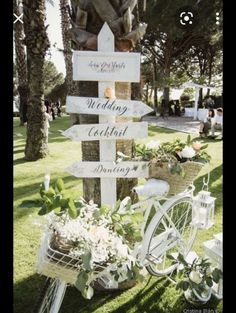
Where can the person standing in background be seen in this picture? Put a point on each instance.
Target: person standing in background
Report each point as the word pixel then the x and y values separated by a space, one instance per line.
pixel 217 123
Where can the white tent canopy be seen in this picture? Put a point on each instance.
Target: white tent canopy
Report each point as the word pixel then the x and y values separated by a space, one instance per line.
pixel 197 87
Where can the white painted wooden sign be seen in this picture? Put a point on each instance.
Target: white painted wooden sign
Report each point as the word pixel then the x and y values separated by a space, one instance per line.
pixel 107 148
pixel 109 169
pixel 107 131
pixel 116 107
pixel 106 66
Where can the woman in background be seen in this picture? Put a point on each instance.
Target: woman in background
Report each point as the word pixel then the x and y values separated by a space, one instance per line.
pixel 205 126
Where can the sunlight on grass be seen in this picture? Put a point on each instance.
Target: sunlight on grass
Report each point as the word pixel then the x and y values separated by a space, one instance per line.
pixel 153 295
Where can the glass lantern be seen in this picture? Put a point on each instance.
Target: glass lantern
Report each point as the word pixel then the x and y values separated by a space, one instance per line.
pixel 203 210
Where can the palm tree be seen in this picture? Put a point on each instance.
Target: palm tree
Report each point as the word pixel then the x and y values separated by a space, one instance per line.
pixel 72 86
pixel 37 43
pixel 87 18
pixel 21 67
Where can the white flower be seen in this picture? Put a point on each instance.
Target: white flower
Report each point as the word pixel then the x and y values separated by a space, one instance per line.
pixel 195 277
pixel 187 152
pixel 153 144
pixel 98 233
pixel 100 254
pixel 122 250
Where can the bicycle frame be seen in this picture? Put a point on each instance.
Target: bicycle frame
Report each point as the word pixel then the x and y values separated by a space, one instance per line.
pixel 164 241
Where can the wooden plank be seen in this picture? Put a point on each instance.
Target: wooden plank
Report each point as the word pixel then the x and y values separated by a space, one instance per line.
pixel 106 42
pixel 109 170
pixel 108 131
pixel 116 107
pixel 106 66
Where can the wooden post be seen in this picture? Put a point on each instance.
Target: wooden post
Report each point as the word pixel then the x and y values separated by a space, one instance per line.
pixel 107 67
pixel 107 147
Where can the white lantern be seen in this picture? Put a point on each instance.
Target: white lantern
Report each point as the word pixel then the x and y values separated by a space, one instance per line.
pixel 203 210
pixel 214 252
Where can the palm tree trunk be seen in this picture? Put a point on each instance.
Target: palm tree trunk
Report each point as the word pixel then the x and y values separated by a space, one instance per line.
pixel 37 44
pixel 21 65
pixel 71 85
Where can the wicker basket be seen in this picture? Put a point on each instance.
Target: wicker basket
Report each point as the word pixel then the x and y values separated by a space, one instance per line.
pixel 177 182
pixel 54 262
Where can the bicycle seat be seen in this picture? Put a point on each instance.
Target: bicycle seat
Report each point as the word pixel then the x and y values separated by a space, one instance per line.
pixel 152 188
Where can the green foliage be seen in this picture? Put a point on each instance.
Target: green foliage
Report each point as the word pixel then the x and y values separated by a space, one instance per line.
pixel 187 94
pixel 155 294
pixel 196 275
pixel 172 152
pixel 51 77
pixel 59 200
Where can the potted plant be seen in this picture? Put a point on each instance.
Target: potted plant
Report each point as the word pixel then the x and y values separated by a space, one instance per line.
pixel 88 244
pixel 196 278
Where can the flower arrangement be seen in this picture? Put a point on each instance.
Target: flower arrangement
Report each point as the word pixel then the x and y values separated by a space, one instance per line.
pixel 103 238
pixel 174 153
pixel 196 277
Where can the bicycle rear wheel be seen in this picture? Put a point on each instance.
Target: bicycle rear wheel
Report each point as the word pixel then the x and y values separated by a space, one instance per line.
pixel 51 296
pixel 170 232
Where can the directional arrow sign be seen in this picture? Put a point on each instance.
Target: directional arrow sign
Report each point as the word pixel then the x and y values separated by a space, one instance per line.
pixel 103 106
pixel 107 131
pixel 106 66
pixel 109 169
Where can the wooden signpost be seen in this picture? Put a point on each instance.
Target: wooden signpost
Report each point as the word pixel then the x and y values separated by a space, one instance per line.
pixel 103 106
pixel 106 67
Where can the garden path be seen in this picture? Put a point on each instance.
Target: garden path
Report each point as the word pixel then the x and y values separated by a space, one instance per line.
pixel 183 124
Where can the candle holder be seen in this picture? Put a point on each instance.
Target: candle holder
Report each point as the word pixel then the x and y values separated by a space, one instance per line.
pixel 46 181
pixel 203 210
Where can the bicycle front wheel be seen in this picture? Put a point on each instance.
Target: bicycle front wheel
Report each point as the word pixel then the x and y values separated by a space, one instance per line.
pixel 171 232
pixel 51 296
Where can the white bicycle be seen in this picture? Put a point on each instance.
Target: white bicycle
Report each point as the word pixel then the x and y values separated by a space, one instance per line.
pixel 167 229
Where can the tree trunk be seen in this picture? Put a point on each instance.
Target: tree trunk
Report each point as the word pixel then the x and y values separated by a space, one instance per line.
pixel 21 66
pixel 71 85
pixel 124 185
pixel 37 44
pixel 155 83
pixel 166 95
pixel 200 97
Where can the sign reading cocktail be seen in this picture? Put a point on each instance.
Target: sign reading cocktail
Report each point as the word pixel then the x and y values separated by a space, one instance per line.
pixel 107 131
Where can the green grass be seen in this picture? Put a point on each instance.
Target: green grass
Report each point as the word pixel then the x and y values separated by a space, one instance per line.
pixel 154 294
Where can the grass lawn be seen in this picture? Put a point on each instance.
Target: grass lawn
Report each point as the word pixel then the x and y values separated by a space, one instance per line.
pixel 154 294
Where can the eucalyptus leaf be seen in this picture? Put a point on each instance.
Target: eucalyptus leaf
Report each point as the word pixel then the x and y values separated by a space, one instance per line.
pixel 86 258
pixel 88 292
pixel 72 209
pixel 59 184
pixel 42 192
pixel 50 192
pixel 81 281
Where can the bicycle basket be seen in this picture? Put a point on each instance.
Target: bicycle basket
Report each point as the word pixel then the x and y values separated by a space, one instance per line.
pixel 177 182
pixel 55 263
